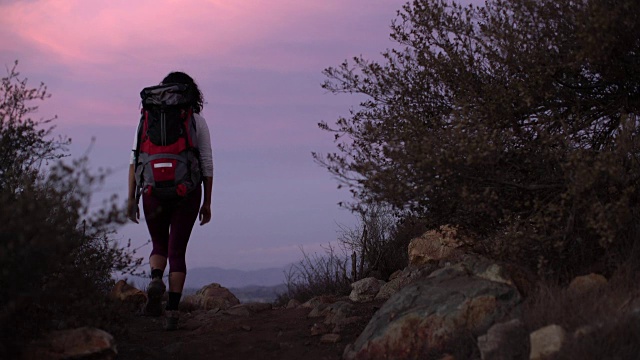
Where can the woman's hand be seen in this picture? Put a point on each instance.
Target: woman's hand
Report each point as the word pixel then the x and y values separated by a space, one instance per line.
pixel 133 212
pixel 205 214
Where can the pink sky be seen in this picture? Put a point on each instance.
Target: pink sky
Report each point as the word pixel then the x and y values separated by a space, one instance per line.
pixel 259 66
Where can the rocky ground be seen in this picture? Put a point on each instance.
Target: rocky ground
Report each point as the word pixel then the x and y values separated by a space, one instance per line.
pixel 276 333
pixel 462 306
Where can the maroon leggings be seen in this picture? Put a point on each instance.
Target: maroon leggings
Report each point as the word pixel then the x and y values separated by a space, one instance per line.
pixel 170 224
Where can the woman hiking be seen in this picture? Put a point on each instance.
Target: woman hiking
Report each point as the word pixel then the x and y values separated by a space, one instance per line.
pixel 171 163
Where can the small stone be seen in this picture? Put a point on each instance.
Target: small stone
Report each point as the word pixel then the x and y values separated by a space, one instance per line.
pixel 246 327
pixel 546 341
pixel 330 338
pixel 506 340
pixel 319 329
pixel 238 310
pixel 586 283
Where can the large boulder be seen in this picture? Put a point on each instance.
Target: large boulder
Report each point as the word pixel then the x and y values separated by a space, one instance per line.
pixel 212 296
pixel 470 264
pixel 425 315
pixel 444 243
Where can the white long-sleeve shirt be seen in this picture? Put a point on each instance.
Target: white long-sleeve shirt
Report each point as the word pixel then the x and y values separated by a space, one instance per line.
pixel 203 140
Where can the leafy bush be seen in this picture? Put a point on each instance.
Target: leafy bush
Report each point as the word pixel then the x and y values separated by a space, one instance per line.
pixel 56 258
pixel 516 121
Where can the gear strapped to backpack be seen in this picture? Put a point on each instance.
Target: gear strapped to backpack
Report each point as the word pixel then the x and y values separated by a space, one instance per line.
pixel 166 159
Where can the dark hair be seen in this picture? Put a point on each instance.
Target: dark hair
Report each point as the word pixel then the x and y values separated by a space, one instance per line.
pixel 182 78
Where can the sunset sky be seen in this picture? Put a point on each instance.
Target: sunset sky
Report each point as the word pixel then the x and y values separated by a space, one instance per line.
pixel 258 63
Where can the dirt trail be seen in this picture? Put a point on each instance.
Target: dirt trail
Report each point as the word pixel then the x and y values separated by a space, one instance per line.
pixel 283 334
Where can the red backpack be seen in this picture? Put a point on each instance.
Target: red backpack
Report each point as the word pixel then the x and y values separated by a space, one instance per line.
pixel 166 159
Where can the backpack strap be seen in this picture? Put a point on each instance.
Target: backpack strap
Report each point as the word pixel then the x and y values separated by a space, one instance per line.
pixel 136 153
pixel 192 140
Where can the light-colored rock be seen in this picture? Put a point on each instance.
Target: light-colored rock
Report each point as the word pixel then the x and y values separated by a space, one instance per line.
pixel 293 303
pixel 337 312
pixel 319 310
pixel 333 313
pixel 365 290
pixel 313 302
pixel 478 266
pixel 128 295
pixel 495 272
pixel 586 283
pixel 504 341
pixel 425 315
pixel 330 338
pixel 440 244
pixel 210 297
pixel 81 343
pixel 392 287
pixel 336 316
pixel 546 341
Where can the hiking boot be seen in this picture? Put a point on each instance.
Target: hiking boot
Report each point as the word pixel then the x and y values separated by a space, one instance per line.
pixel 171 320
pixel 155 290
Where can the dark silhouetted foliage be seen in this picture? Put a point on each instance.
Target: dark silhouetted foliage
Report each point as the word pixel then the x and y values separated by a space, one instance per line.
pixel 56 257
pixel 378 242
pixel 516 121
pixel 316 275
pixel 375 247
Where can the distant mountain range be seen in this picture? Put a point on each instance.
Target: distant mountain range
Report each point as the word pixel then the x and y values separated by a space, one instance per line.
pixel 229 278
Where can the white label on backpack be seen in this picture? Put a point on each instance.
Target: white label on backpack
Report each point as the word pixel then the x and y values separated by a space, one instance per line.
pixel 162 165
